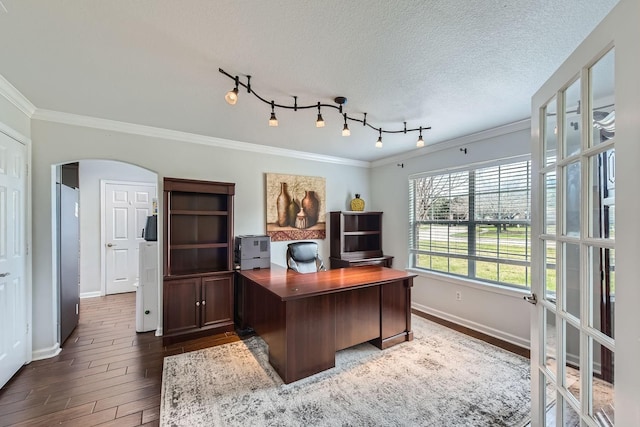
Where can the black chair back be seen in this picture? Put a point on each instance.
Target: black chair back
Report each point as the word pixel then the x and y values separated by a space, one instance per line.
pixel 303 257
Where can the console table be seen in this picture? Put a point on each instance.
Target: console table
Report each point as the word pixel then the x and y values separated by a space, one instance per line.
pixel 306 318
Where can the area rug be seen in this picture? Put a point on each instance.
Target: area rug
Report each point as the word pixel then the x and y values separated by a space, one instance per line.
pixel 441 378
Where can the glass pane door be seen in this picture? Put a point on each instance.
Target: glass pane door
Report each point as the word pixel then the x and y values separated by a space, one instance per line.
pixel 575 169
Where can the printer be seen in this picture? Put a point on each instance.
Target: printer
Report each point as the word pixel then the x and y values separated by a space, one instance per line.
pixel 252 252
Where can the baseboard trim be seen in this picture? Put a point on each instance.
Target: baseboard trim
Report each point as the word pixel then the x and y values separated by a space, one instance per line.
pixel 512 343
pixel 46 353
pixel 93 294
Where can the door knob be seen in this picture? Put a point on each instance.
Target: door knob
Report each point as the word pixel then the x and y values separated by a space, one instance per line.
pixel 4 274
pixel 110 245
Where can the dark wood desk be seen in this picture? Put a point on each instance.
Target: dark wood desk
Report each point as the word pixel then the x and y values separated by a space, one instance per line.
pixel 306 318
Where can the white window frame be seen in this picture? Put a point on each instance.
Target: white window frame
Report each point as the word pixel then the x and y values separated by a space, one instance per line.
pixel 470 223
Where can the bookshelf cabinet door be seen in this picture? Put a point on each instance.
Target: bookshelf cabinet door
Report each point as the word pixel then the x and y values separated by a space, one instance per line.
pixel 217 300
pixel 183 313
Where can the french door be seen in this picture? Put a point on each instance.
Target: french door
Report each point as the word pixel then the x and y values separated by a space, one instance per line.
pixel 579 268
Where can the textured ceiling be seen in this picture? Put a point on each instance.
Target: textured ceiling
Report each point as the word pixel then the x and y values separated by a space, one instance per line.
pixel 459 66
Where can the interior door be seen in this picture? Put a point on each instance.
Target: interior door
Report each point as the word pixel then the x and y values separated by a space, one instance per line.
pixel 126 207
pixel 13 308
pixel 575 135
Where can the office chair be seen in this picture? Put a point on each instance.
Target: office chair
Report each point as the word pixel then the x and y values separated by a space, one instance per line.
pixel 303 257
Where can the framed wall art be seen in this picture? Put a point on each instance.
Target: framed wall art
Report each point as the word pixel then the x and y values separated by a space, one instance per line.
pixel 295 207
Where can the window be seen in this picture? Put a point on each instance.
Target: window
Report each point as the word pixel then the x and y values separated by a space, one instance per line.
pixel 473 223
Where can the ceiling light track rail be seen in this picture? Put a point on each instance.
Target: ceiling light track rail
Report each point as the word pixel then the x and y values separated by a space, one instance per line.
pixel 232 97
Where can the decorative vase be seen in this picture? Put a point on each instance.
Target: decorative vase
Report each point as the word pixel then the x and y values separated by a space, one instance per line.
pixel 292 211
pixel 357 204
pixel 282 205
pixel 311 206
pixel 301 219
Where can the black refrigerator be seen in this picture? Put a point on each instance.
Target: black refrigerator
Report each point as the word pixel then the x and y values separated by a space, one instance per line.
pixel 68 259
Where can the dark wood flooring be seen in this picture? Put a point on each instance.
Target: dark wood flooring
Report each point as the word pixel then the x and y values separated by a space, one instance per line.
pixel 107 374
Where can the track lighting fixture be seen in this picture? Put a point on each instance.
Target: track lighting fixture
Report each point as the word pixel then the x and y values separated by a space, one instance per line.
pixel 232 97
pixel 420 142
pixel 320 120
pixel 379 141
pixel 273 121
pixel 345 128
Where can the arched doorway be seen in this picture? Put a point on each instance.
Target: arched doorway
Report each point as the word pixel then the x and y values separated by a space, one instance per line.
pixel 93 259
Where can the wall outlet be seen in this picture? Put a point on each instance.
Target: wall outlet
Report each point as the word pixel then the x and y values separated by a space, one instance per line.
pixel 458 296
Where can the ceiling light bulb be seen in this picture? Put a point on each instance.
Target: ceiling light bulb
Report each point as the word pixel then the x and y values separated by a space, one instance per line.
pixel 379 141
pixel 232 96
pixel 273 121
pixel 420 142
pixel 345 128
pixel 320 120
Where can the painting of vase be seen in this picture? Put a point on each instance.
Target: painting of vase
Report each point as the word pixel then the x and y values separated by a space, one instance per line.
pixel 295 207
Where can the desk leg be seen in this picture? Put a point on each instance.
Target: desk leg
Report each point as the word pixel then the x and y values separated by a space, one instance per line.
pixel 301 334
pixel 310 337
pixel 395 314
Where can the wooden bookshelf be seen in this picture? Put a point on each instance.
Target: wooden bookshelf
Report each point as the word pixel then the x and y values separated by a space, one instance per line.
pixel 198 256
pixel 356 239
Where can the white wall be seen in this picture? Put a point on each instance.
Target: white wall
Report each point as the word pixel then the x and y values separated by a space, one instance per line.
pixel 90 174
pixel 496 311
pixel 56 143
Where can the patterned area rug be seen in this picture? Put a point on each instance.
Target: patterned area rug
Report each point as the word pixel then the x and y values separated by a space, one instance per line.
pixel 441 378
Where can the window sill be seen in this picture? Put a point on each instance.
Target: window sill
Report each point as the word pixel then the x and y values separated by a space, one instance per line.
pixel 470 283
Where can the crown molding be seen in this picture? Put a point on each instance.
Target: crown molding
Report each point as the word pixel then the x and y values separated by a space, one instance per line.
pixel 14 96
pixel 9 131
pixel 155 132
pixel 456 142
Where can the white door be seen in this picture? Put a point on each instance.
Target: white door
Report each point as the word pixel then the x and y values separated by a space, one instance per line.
pixel 13 319
pixel 585 322
pixel 126 207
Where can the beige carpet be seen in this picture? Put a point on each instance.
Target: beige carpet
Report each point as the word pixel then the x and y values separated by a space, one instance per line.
pixel 442 378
